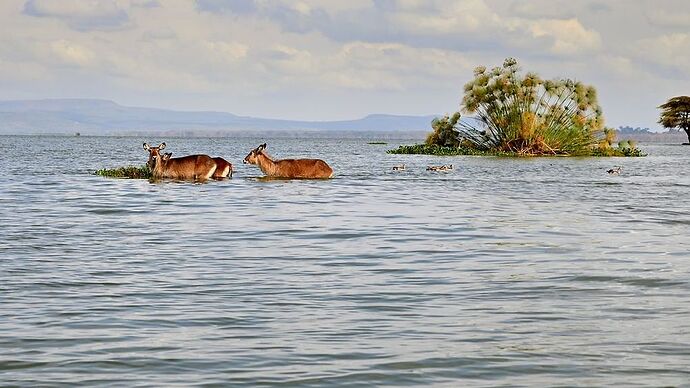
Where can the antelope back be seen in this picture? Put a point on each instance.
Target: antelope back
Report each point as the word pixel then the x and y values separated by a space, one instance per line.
pixel 302 168
pixel 223 168
pixel 196 167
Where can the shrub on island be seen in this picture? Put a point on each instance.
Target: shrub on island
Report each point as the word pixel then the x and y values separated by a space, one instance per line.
pixel 520 115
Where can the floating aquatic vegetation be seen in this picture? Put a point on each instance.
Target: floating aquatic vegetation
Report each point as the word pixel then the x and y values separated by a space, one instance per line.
pixel 130 172
pixel 433 149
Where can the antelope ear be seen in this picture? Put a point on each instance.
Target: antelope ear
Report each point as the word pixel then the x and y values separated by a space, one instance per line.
pixel 262 147
pixel 161 146
pixel 167 155
pixel 146 147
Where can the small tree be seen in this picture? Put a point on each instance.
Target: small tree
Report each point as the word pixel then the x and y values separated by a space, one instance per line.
pixel 675 113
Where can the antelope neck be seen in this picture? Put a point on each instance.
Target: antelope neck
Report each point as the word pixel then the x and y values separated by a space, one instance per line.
pixel 266 164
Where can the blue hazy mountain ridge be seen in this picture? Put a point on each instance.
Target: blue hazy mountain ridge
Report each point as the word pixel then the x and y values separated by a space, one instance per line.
pixel 92 116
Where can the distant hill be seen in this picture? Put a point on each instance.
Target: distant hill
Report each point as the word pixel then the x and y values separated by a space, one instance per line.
pixel 87 116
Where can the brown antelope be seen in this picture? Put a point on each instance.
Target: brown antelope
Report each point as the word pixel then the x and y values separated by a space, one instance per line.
pixel 223 167
pixel 192 167
pixel 288 168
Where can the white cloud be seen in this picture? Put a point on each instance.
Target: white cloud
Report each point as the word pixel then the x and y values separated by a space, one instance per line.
pixel 670 18
pixel 568 37
pixel 671 51
pixel 405 56
pixel 303 8
pixel 74 8
pixel 621 66
pixel 72 53
pixel 290 61
pixel 227 51
pixel 80 14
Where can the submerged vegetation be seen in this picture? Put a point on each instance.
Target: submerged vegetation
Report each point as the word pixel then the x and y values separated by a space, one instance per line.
pixel 521 115
pixel 131 172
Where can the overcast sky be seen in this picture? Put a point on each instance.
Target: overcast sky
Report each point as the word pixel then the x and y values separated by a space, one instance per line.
pixel 336 59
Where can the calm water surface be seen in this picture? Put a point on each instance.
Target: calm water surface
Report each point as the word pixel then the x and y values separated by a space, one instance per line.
pixel 502 272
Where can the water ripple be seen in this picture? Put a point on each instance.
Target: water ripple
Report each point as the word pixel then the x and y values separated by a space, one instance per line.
pixel 503 272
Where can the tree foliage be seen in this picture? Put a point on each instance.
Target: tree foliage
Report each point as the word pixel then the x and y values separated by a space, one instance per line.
pixel 527 115
pixel 675 113
pixel 445 134
pixel 515 114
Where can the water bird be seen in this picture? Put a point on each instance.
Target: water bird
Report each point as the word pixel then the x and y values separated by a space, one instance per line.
pixel 615 171
pixel 399 167
pixel 445 167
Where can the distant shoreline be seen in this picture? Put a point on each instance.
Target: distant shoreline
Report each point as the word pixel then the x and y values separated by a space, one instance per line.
pixel 383 135
pixel 648 137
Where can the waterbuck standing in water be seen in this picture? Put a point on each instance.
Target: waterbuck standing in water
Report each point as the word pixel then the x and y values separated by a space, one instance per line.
pixel 288 168
pixel 223 167
pixel 191 167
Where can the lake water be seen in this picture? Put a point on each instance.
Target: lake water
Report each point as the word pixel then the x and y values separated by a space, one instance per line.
pixel 501 272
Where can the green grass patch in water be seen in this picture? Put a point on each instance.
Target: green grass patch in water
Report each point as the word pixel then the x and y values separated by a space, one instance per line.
pixel 433 149
pixel 129 172
pixel 377 142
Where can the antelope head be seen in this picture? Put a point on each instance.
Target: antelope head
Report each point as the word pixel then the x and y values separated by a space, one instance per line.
pixel 253 156
pixel 154 154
